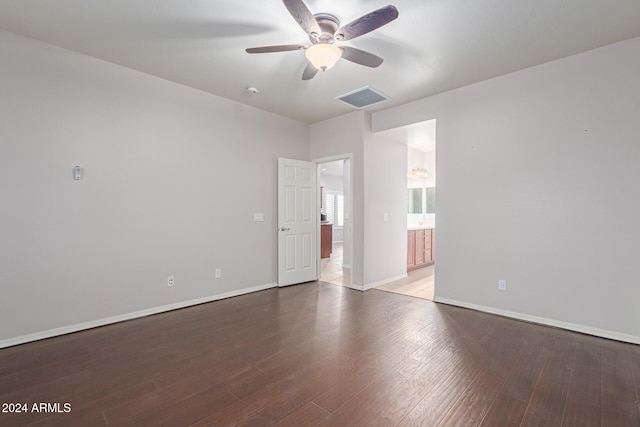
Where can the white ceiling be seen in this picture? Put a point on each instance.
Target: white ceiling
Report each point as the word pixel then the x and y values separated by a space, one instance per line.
pixel 434 45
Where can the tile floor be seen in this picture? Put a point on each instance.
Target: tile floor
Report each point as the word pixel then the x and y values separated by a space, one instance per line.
pixel 418 283
pixel 331 270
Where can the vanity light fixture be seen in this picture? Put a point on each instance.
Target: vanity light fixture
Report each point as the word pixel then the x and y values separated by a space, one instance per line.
pixel 418 173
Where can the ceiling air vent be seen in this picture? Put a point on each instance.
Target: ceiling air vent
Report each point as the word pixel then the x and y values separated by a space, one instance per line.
pixel 362 98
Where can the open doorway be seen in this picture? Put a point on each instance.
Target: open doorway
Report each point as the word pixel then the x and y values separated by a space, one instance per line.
pixel 335 225
pixel 420 139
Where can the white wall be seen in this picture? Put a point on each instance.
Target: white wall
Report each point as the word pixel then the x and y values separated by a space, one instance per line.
pixel 346 229
pixel 380 182
pixel 172 179
pixel 343 136
pixel 332 182
pixel 385 214
pixel 537 176
pixel 421 159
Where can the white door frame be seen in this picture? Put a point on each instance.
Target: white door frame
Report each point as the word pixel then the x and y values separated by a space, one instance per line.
pixel 319 163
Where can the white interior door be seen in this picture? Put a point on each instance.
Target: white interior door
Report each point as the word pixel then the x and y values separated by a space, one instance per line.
pixel 297 222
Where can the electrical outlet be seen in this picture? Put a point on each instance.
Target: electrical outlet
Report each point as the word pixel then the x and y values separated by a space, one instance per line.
pixel 171 281
pixel 218 273
pixel 502 285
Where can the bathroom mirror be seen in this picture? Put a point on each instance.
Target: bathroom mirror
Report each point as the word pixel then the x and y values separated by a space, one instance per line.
pixel 431 199
pixel 415 200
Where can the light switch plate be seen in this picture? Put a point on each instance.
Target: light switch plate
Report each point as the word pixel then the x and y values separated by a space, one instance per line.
pixel 258 217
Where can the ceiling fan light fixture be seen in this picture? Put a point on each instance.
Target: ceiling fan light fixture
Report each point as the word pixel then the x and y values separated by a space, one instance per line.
pixel 323 55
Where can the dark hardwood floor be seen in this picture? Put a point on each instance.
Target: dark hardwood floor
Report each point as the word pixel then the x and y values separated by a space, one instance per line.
pixel 320 354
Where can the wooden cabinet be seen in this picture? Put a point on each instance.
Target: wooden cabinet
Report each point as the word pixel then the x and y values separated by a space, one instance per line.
pixel 326 240
pixel 419 248
pixel 411 250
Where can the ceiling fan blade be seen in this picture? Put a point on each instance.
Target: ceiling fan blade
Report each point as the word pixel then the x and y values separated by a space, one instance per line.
pixel 367 23
pixel 309 72
pixel 303 16
pixel 279 48
pixel 361 57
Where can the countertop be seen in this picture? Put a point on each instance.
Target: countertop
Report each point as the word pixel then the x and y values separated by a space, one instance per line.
pixel 421 227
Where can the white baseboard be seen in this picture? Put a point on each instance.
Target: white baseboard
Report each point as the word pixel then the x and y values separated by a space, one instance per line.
pixel 128 316
pixel 544 321
pixel 346 266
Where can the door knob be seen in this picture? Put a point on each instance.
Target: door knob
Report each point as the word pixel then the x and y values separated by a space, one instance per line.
pixel 284 229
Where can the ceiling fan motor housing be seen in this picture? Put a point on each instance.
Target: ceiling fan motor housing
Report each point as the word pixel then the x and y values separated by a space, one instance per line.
pixel 328 24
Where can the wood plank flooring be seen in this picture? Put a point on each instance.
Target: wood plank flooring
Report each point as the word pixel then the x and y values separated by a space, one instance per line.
pixel 325 355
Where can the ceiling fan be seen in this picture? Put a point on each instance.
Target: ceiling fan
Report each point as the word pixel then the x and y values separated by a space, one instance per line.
pixel 324 30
